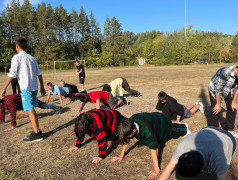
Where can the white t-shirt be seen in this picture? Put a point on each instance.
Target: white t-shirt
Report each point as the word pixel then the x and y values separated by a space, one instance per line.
pixel 215 147
pixel 25 68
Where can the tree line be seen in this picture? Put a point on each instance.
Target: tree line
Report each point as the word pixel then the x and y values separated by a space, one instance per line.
pixel 55 34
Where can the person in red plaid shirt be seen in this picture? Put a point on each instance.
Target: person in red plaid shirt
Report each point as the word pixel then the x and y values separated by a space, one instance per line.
pixel 12 103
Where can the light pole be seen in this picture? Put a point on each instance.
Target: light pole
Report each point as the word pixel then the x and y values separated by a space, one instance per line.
pixel 185 22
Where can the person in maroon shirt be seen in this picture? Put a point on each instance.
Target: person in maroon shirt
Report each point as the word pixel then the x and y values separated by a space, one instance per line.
pixel 99 97
pixel 99 124
pixel 12 103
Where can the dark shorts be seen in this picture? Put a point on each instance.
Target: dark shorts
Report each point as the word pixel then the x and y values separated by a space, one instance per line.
pixel 111 103
pixel 187 113
pixel 70 94
pixel 81 79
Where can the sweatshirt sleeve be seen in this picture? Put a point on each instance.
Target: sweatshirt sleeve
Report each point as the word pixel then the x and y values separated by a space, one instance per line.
pixel 100 136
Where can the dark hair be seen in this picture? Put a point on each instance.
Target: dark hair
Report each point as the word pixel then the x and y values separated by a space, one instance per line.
pixel 84 97
pixel 49 84
pixel 190 164
pixel 77 61
pixel 22 43
pixel 1 100
pixel 83 123
pixel 107 88
pixel 162 96
pixel 124 129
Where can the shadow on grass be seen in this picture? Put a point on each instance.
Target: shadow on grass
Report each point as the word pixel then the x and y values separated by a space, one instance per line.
pixel 207 108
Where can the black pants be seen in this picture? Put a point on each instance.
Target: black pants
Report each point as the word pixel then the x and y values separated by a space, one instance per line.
pixel 230 114
pixel 15 86
pixel 127 88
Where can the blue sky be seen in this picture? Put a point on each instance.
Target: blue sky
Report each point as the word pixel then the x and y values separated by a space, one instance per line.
pixel 165 16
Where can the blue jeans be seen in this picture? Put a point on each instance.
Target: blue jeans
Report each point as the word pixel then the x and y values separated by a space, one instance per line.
pixel 44 105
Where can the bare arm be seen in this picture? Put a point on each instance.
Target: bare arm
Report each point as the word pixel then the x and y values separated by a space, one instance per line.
pixel 98 103
pixel 168 170
pixel 80 110
pixel 9 79
pixel 178 118
pixel 223 176
pixel 234 105
pixel 160 111
pixel 154 173
pixel 48 98
pixel 61 101
pixel 122 154
pixel 42 89
pixel 217 108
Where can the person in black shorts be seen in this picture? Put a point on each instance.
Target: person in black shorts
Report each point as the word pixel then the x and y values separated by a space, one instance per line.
pixel 70 86
pixel 81 73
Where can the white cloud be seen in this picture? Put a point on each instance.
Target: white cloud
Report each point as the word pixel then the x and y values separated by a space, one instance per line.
pixel 33 2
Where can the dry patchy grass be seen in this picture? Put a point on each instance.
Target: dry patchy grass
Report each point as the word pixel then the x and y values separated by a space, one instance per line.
pixel 49 159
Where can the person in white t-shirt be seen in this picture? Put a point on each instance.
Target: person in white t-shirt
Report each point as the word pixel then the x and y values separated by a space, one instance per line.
pixel 25 68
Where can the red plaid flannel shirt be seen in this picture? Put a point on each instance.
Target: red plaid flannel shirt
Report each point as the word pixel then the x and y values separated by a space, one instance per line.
pixel 12 103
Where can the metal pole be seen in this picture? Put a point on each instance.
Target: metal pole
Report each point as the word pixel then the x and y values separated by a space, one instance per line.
pixel 185 22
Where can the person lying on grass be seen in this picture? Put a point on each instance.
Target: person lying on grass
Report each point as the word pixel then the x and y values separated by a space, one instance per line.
pixel 207 151
pixel 99 97
pixel 152 130
pixel 99 124
pixel 14 102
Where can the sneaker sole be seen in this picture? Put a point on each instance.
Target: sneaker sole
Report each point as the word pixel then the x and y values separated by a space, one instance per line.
pixel 34 140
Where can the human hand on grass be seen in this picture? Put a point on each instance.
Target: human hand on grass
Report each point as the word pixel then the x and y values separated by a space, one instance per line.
pixel 116 159
pixel 75 148
pixel 153 174
pixel 9 129
pixel 96 160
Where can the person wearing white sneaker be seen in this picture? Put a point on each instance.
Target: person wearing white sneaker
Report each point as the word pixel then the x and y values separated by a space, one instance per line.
pixel 209 150
pixel 223 86
pixel 175 111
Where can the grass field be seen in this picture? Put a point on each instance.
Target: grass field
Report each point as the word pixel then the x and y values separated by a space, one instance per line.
pixel 50 159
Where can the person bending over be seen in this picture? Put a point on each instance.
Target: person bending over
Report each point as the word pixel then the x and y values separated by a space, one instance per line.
pixel 152 130
pixel 99 124
pixel 207 151
pixel 99 97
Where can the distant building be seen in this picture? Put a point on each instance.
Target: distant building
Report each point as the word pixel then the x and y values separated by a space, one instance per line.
pixel 141 61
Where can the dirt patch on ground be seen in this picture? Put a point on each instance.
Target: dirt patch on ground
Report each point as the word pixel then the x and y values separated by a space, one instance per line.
pixel 49 159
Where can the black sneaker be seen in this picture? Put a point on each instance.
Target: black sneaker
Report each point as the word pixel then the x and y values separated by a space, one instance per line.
pixel 34 137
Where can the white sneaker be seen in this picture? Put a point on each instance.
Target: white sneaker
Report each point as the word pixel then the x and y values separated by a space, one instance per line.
pixel 196 103
pixel 235 134
pixel 201 108
pixel 188 132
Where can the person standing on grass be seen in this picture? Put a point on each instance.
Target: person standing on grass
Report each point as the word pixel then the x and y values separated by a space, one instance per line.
pixel 207 151
pixel 169 106
pixel 26 69
pixel 151 129
pixel 99 124
pixel 13 103
pixel 99 97
pixel 223 86
pixel 115 87
pixel 81 73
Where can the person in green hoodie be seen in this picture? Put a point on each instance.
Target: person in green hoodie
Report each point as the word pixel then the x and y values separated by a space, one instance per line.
pixel 151 129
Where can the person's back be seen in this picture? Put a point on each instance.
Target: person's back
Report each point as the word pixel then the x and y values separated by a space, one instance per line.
pixel 116 87
pixel 215 145
pixel 103 95
pixel 153 127
pixel 72 87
